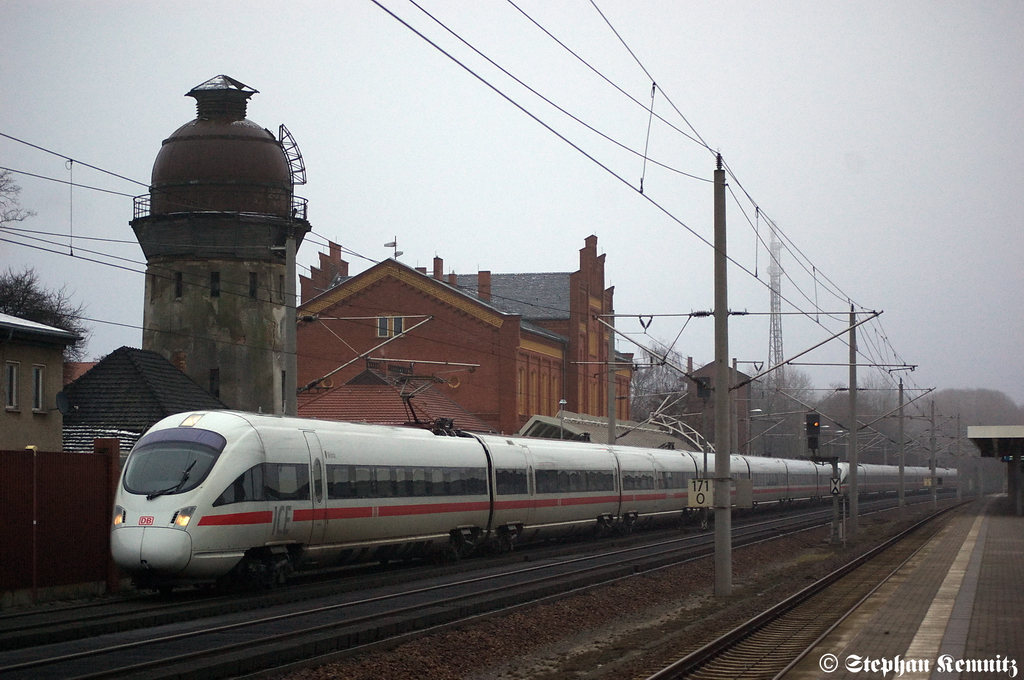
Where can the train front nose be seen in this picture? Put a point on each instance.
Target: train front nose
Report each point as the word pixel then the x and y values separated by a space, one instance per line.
pixel 157 549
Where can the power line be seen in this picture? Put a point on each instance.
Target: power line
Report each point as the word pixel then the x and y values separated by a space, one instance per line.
pixel 604 77
pixel 69 158
pixel 64 181
pixel 553 104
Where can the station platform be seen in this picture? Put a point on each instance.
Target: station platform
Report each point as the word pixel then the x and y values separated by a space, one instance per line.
pixel 955 610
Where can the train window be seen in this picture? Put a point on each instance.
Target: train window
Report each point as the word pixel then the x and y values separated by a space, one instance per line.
pixel 403 481
pixel 247 487
pixel 172 461
pixel 364 482
pixel 637 480
pixel 318 481
pixel 286 482
pixel 574 481
pixel 511 482
pixel 673 480
pixel 419 482
pixel 600 480
pixel 386 485
pixel 547 481
pixel 436 487
pixel 340 481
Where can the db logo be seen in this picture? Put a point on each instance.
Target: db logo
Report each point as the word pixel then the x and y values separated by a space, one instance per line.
pixel 146 521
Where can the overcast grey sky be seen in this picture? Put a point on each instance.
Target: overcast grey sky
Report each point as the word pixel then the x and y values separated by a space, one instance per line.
pixel 883 139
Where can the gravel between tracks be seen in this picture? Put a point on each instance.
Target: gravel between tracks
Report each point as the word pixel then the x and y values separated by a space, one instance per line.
pixel 608 631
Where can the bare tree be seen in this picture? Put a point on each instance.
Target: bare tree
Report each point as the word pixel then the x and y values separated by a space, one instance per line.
pixel 10 209
pixel 22 295
pixel 657 386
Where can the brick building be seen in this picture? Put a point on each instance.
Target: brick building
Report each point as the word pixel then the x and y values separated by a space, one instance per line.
pixel 507 346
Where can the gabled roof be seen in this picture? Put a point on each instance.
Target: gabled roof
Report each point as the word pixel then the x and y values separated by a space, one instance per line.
pixel 401 272
pixel 383 404
pixel 541 296
pixel 13 327
pixel 128 391
pixel 595 429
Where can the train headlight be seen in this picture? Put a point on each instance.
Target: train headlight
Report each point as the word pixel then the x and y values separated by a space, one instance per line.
pixel 183 516
pixel 191 420
pixel 120 516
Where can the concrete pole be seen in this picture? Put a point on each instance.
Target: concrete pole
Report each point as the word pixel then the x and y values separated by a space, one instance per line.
pixel 611 379
pixel 1018 472
pixel 854 457
pixel 723 500
pixel 935 491
pixel 959 496
pixel 902 493
pixel 290 381
pixel 734 415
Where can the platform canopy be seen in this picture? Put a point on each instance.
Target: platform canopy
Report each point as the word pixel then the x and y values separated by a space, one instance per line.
pixel 996 441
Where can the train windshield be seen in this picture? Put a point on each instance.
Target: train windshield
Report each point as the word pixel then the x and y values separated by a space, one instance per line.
pixel 172 461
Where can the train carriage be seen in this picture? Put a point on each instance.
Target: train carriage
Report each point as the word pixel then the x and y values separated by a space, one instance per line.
pixel 223 494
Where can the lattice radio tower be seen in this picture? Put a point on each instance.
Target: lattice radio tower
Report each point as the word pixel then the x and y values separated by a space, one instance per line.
pixel 775 356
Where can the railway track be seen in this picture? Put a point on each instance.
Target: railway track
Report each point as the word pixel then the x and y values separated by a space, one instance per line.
pixel 765 646
pixel 235 643
pixel 204 636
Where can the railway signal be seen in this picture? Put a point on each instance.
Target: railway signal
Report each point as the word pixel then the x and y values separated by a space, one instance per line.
pixel 813 430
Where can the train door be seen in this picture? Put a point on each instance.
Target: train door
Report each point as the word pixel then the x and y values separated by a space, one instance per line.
pixel 319 493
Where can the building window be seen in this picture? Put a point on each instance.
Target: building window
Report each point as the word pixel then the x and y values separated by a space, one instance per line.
pixel 214 284
pixel 253 285
pixel 522 391
pixel 11 385
pixel 390 326
pixel 38 385
pixel 215 382
pixel 179 285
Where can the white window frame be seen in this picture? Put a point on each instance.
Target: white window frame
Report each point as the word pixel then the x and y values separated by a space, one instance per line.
pixel 11 385
pixel 390 326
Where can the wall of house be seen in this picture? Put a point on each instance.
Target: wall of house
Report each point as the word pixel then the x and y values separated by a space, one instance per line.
pixel 521 373
pixel 22 425
pixel 228 340
pixel 460 331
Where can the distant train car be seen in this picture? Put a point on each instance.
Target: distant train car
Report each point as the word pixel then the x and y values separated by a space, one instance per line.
pixel 217 495
pixel 886 479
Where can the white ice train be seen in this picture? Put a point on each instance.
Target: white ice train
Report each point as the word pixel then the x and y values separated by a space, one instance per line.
pixel 229 495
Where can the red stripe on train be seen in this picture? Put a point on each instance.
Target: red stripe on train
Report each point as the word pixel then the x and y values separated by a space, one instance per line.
pixel 237 518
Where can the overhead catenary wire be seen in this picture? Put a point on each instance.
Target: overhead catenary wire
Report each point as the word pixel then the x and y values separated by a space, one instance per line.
pixel 757 208
pixel 533 91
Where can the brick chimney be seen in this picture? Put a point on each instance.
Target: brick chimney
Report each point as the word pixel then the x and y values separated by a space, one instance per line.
pixel 438 268
pixel 483 286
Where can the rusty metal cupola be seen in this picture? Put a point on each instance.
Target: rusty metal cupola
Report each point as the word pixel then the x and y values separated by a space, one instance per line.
pixel 215 230
pixel 221 97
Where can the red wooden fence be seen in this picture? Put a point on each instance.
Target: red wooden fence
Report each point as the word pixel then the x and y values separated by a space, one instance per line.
pixel 55 514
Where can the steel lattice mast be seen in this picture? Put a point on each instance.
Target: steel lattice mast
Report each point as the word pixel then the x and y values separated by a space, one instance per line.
pixel 775 355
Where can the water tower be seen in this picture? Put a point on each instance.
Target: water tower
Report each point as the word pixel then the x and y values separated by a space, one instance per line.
pixel 219 229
